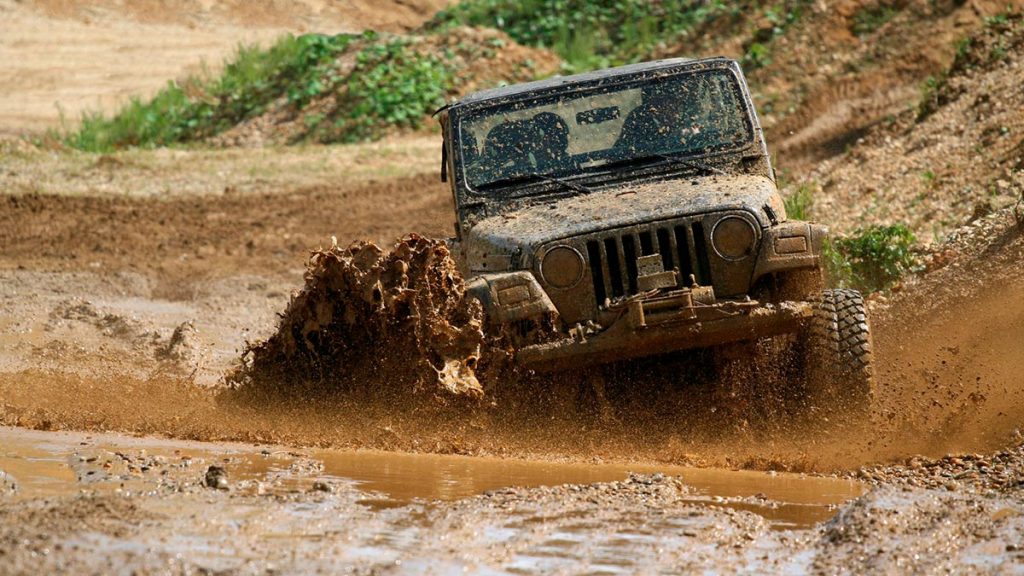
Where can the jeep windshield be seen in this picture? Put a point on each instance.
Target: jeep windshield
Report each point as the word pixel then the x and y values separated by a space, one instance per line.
pixel 672 120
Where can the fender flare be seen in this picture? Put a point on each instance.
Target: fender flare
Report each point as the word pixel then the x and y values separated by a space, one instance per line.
pixel 510 296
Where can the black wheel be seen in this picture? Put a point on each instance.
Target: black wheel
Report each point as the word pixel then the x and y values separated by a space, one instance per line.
pixel 837 357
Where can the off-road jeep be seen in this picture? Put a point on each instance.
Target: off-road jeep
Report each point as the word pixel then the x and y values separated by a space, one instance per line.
pixel 634 211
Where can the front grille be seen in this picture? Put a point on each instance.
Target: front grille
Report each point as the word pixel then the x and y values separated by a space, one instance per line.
pixel 613 255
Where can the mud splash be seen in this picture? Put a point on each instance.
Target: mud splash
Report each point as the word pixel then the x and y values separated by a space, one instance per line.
pixel 383 324
pixel 951 385
pixel 954 381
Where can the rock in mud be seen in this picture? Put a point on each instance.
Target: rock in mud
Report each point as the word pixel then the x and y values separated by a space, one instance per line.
pixel 388 323
pixel 182 347
pixel 7 484
pixel 216 477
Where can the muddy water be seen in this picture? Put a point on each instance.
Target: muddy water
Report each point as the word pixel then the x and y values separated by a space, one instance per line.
pixel 784 499
pixel 52 463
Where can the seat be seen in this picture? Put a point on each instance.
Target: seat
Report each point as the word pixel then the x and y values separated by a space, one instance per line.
pixel 507 149
pixel 551 150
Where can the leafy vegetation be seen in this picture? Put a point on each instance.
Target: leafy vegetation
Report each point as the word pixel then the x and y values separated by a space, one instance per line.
pixel 348 88
pixel 872 258
pixel 780 17
pixel 799 202
pixel 929 178
pixel 869 19
pixel 930 95
pixel 391 86
pixel 588 34
pixel 198 107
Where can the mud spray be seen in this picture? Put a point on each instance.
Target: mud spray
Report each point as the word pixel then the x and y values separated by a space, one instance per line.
pixel 385 325
pixel 380 349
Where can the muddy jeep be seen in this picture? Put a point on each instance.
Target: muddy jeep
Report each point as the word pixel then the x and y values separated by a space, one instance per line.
pixel 634 212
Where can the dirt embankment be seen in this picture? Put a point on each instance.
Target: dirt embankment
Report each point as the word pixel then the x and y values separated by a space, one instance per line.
pixel 844 67
pixel 840 90
pixel 109 51
pixel 959 155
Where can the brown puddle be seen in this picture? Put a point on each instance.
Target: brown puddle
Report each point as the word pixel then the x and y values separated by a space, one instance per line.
pixel 44 463
pixel 791 500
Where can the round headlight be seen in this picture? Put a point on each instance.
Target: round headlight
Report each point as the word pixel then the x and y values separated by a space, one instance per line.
pixel 733 238
pixel 562 267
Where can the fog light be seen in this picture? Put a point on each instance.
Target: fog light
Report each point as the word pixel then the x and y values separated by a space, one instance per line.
pixel 562 267
pixel 733 238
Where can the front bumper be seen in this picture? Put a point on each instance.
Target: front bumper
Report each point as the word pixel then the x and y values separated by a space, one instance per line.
pixel 667 323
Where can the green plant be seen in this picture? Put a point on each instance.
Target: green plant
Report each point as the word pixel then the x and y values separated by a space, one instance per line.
pixel 757 56
pixel 929 178
pixel 392 85
pixel 869 19
pixel 963 48
pixel 998 52
pixel 872 258
pixel 930 95
pixel 998 20
pixel 799 202
pixel 588 34
pixel 781 16
pixel 204 105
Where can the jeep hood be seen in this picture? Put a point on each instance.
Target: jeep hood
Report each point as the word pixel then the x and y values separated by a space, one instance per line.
pixel 624 205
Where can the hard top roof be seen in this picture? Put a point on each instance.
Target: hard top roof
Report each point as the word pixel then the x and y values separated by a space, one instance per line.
pixel 555 81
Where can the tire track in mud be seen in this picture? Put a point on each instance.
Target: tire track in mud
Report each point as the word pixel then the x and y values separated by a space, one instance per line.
pixel 213 235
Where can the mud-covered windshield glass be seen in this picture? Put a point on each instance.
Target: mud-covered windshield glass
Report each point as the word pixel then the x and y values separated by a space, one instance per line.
pixel 564 134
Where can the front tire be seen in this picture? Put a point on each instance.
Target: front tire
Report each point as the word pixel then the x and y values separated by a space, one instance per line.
pixel 838 362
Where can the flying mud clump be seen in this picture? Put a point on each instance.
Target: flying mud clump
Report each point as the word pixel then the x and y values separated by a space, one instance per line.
pixel 374 323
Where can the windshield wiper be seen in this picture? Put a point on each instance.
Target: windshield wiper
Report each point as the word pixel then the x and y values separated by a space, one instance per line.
pixel 695 164
pixel 692 164
pixel 565 183
pixel 544 177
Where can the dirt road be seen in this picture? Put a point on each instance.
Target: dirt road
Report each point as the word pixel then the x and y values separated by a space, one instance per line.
pixel 130 284
pixel 147 288
pixel 122 312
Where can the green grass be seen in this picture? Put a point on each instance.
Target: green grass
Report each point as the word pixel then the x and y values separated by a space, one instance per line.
pixel 871 259
pixel 931 90
pixel 799 202
pixel 391 86
pixel 394 85
pixel 588 34
pixel 201 106
pixel 780 16
pixel 869 19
